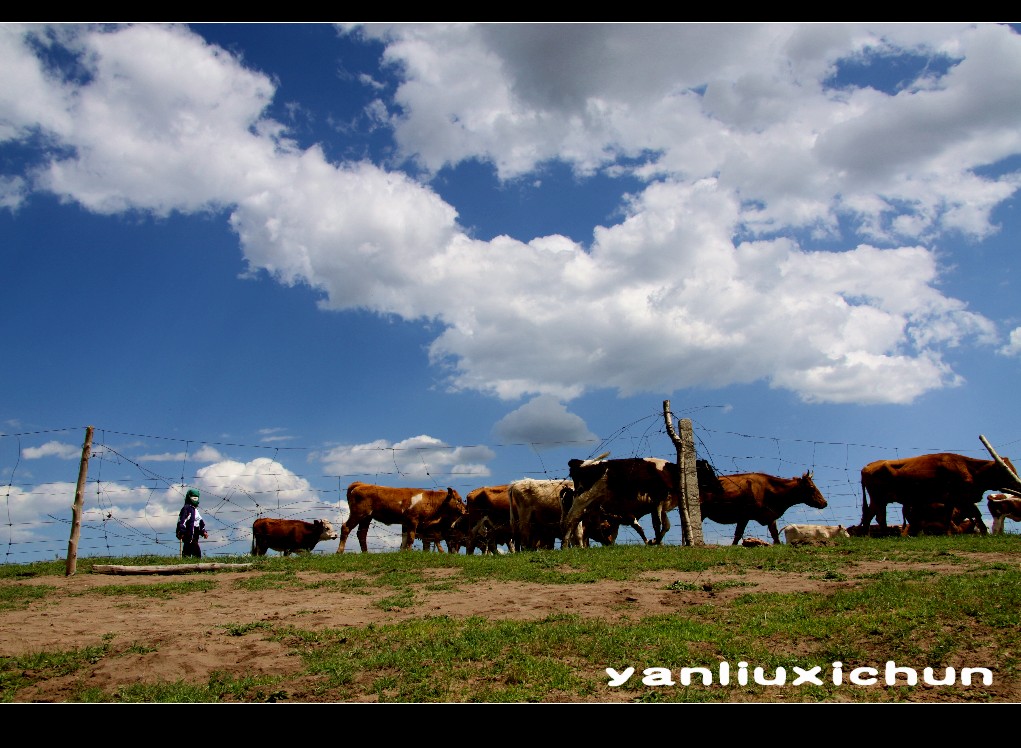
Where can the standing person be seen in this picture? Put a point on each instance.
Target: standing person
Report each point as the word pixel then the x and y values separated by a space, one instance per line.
pixel 191 526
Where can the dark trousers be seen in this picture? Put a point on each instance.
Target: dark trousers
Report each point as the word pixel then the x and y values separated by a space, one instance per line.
pixel 191 549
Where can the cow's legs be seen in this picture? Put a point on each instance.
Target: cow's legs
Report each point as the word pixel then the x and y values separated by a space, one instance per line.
pixel 739 531
pixel 664 526
pixel 515 529
pixel 881 515
pixel 363 534
pixel 657 526
pixel 975 513
pixel 345 530
pixel 871 510
pixel 408 537
pixel 637 527
pixel 522 538
pixel 866 510
pixel 998 525
pixel 571 527
pixel 774 532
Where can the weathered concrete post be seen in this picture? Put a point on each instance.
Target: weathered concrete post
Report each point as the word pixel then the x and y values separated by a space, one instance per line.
pixel 689 509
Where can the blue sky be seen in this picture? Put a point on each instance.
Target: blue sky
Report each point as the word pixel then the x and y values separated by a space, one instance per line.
pixel 267 260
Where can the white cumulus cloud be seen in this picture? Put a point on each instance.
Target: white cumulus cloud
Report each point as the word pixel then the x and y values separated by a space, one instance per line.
pixel 53 449
pixel 422 458
pixel 786 229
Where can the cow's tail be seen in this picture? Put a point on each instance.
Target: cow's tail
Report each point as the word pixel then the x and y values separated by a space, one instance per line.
pixel 866 517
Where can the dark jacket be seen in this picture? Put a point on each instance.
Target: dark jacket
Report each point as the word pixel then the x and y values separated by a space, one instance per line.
pixel 188 529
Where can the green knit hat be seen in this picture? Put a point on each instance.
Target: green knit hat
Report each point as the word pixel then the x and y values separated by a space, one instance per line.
pixel 192 497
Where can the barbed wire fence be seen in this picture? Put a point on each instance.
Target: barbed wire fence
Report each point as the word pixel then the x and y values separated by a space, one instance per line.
pixel 136 483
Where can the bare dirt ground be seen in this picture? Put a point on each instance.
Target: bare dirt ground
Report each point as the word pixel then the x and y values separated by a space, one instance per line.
pixel 197 622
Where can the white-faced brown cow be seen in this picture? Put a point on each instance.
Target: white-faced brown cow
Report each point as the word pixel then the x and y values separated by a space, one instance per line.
pixel 490 503
pixel 743 497
pixel 288 535
pixel 414 509
pixel 1003 507
pixel 623 491
pixel 949 480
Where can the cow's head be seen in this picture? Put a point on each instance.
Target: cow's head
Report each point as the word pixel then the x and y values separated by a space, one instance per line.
pixel 325 528
pixel 708 480
pixel 566 498
pixel 482 535
pixel 601 527
pixel 811 494
pixel 454 503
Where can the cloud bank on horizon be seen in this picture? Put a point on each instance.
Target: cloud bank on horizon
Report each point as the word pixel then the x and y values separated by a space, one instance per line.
pixel 787 228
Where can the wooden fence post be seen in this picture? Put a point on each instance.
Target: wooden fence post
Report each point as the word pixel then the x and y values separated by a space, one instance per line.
pixel 76 508
pixel 999 461
pixel 690 508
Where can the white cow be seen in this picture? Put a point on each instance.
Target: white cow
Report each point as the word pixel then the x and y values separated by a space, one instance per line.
pixel 795 534
pixel 1003 507
pixel 536 513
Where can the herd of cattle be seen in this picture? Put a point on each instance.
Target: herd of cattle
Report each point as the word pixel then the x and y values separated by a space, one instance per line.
pixel 939 494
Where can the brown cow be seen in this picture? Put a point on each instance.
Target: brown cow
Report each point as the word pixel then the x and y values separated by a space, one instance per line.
pixel 492 503
pixel 413 509
pixel 288 535
pixel 1003 507
pixel 945 478
pixel 742 497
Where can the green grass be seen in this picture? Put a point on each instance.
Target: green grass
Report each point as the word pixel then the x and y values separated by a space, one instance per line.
pixel 19 672
pixel 18 597
pixel 915 617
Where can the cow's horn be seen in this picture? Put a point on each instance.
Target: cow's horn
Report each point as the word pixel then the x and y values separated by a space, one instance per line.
pixel 594 460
